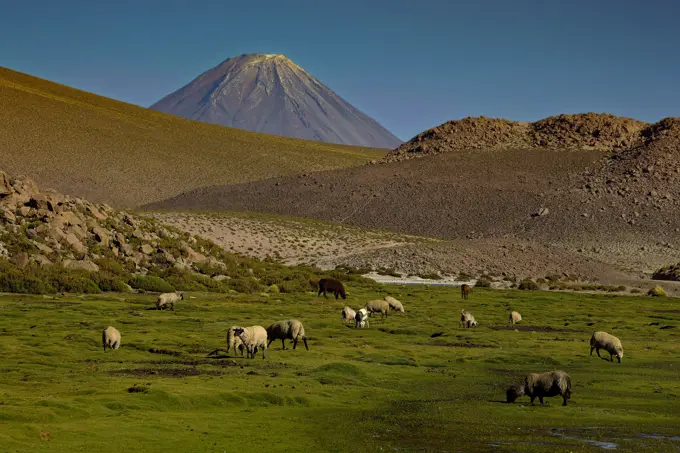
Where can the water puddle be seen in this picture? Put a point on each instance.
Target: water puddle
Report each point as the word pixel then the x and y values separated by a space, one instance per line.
pixel 605 445
pixel 658 437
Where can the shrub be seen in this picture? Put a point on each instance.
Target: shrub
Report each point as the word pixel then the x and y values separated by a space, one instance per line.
pixel 150 283
pixel 246 285
pixel 670 272
pixel 430 276
pixel 657 291
pixel 528 285
pixel 483 283
pixel 635 291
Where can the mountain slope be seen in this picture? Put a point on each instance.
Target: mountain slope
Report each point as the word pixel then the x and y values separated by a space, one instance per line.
pixel 109 151
pixel 271 94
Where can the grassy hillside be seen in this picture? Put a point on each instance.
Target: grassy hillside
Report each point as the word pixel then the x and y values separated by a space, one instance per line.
pixel 387 388
pixel 109 151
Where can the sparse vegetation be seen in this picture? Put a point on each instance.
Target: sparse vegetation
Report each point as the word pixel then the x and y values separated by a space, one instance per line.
pixel 657 291
pixel 528 285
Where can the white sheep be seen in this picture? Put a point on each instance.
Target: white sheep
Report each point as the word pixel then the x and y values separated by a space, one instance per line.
pixel 168 299
pixel 394 304
pixel 361 319
pixel 611 344
pixel 515 317
pixel 253 337
pixel 111 338
pixel 290 329
pixel 234 341
pixel 467 320
pixel 378 306
pixel 348 315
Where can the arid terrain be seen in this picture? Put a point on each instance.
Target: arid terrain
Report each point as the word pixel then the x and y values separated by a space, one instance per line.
pixel 108 151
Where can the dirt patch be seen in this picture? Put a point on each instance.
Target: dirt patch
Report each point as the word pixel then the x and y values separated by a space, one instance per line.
pixel 166 372
pixel 533 329
pixel 465 345
pixel 164 352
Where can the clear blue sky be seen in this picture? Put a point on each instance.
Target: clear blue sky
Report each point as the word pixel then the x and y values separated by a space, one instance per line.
pixel 409 64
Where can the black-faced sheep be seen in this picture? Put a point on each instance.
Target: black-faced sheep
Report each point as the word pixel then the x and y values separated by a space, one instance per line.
pixel 111 338
pixel 514 318
pixel 467 320
pixel 611 344
pixel 394 304
pixel 465 289
pixel 348 315
pixel 290 329
pixel 234 341
pixel 542 385
pixel 168 300
pixel 378 306
pixel 332 285
pixel 253 337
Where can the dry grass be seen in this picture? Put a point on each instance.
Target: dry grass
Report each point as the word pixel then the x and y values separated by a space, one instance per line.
pixel 109 151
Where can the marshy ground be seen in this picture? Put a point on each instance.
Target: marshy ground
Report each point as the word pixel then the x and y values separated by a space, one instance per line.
pixel 391 387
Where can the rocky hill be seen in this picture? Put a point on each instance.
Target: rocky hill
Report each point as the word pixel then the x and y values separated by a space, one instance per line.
pixel 602 132
pixel 271 94
pixel 108 151
pixel 51 242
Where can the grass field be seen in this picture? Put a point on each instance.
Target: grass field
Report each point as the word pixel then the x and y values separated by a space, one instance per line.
pixel 387 388
pixel 109 151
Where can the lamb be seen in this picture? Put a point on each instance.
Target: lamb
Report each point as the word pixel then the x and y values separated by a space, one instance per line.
pixel 515 317
pixel 467 320
pixel 234 341
pixel 361 319
pixel 394 304
pixel 168 299
pixel 465 289
pixel 111 338
pixel 290 329
pixel 252 337
pixel 540 385
pixel 348 315
pixel 378 306
pixel 611 344
pixel 333 285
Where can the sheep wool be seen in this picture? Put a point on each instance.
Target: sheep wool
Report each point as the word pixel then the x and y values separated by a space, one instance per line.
pixel 234 341
pixel 542 385
pixel 253 337
pixel 467 320
pixel 111 338
pixel 168 300
pixel 290 329
pixel 378 306
pixel 361 319
pixel 611 344
pixel 515 317
pixel 348 315
pixel 394 304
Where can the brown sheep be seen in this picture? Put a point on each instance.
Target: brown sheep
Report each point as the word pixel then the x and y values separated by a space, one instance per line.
pixel 332 285
pixel 465 289
pixel 541 385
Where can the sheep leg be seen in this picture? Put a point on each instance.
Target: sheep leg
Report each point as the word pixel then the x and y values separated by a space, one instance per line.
pixel 305 341
pixel 598 352
pixel 114 345
pixel 619 358
pixel 294 344
pixel 283 344
pixel 564 397
pixel 540 400
pixel 264 349
pixel 611 357
pixel 270 342
pixel 532 399
pixel 592 348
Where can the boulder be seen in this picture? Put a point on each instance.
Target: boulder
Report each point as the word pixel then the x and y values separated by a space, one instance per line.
pixel 43 248
pixel 96 213
pixel 41 260
pixel 85 265
pixel 72 240
pixel 146 249
pixel 22 259
pixel 101 235
pixel 5 185
pixel 7 215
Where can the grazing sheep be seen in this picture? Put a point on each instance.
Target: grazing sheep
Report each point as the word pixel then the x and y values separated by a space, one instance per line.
pixel 290 329
pixel 234 341
pixel 378 306
pixel 361 319
pixel 252 337
pixel 467 320
pixel 515 317
pixel 332 285
pixel 611 344
pixel 542 385
pixel 465 289
pixel 394 304
pixel 168 299
pixel 348 315
pixel 111 338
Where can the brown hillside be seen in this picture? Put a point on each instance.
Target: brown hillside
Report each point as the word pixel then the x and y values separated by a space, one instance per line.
pixel 603 132
pixel 109 151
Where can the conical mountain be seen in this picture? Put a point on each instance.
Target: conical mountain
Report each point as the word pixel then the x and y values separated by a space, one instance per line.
pixel 271 94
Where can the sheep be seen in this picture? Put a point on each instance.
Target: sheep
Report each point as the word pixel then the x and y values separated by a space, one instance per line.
pixel 111 338
pixel 394 304
pixel 234 341
pixel 333 285
pixel 166 299
pixel 611 344
pixel 467 320
pixel 290 329
pixel 378 306
pixel 465 289
pixel 348 315
pixel 540 385
pixel 361 319
pixel 253 337
pixel 515 317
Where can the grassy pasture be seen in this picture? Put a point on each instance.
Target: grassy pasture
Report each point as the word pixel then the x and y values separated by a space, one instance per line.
pixel 387 388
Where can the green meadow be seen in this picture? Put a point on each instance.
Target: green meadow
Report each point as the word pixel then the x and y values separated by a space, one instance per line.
pixel 390 387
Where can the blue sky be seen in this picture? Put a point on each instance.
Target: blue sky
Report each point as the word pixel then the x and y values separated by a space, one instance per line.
pixel 409 64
